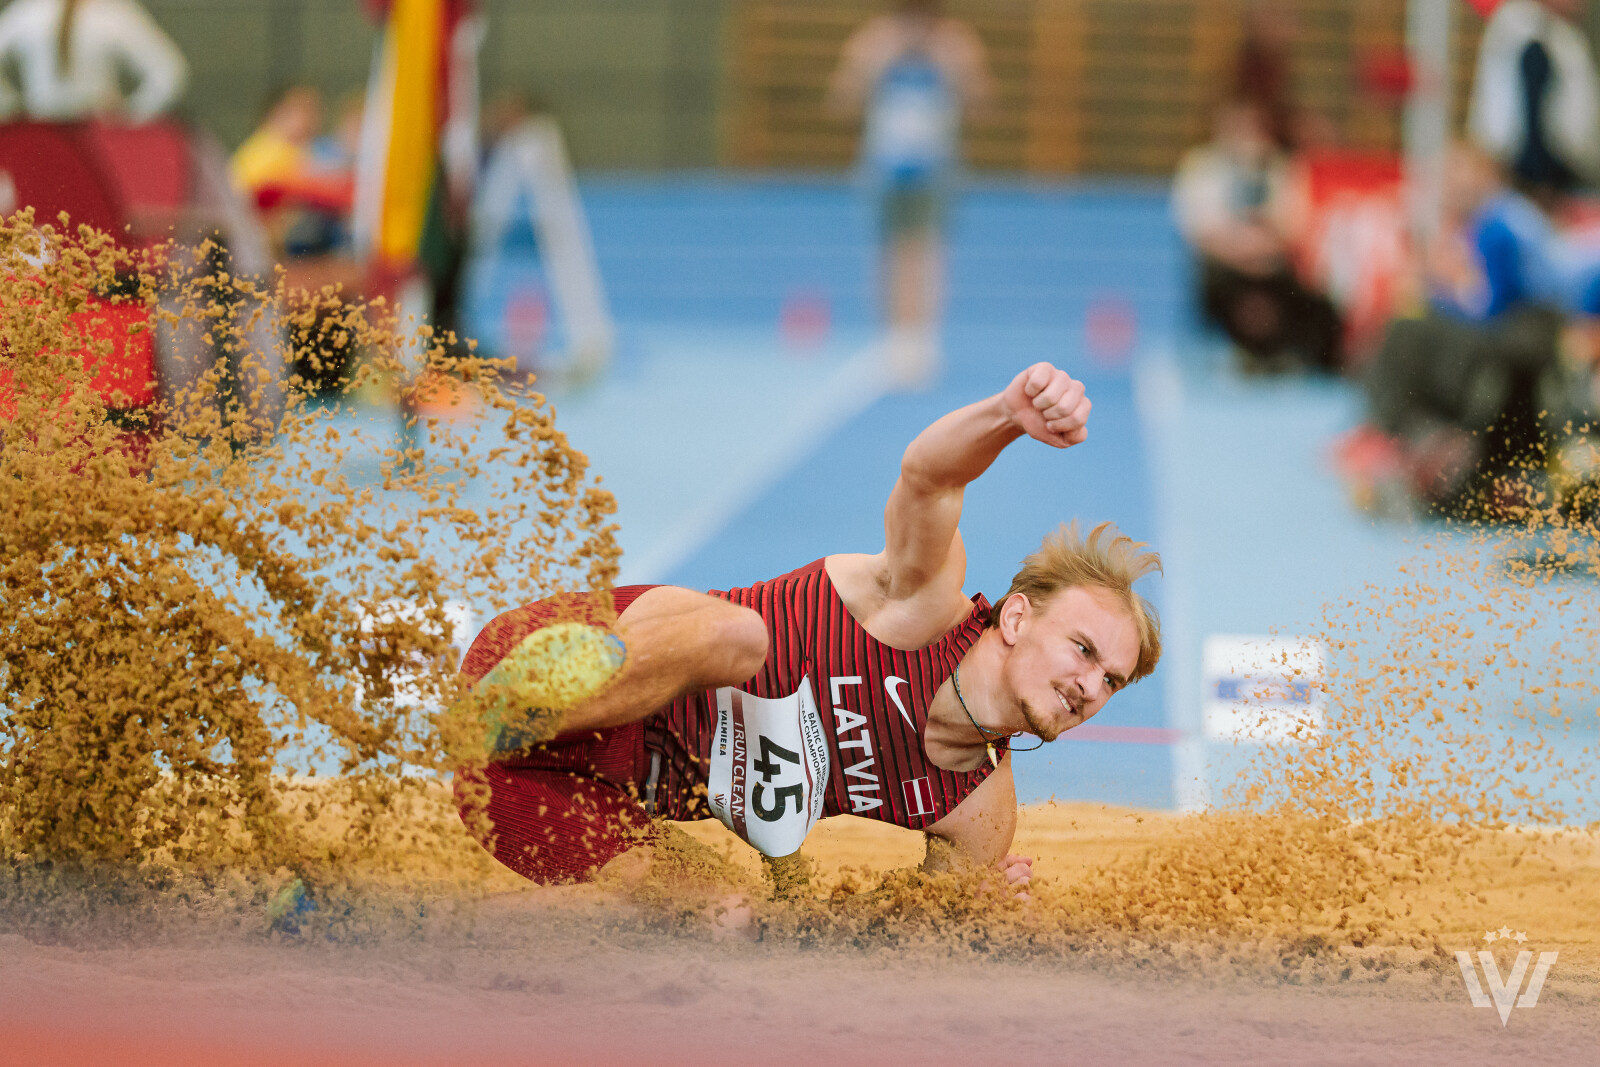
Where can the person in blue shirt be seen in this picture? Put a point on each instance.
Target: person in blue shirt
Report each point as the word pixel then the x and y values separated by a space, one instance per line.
pixel 1497 251
pixel 912 73
pixel 1483 383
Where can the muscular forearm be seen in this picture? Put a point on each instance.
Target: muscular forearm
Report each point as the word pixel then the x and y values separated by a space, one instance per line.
pixel 944 856
pixel 923 547
pixel 959 447
pixel 970 840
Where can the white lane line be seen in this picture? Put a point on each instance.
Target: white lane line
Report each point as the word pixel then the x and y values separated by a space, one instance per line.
pixel 1158 399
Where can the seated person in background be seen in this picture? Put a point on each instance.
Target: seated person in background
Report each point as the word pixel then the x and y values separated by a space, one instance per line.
pixel 1496 251
pixel 324 191
pixel 302 184
pixel 1229 202
pixel 71 55
pixel 277 155
pixel 1491 374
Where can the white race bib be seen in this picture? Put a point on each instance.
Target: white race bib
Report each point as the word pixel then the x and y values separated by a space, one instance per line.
pixel 769 767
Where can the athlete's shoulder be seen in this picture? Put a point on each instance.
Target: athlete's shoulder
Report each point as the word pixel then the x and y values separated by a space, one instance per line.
pixel 780 593
pixel 862 583
pixel 808 572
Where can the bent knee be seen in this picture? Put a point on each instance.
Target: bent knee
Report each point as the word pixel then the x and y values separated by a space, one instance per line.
pixel 711 641
pixel 738 644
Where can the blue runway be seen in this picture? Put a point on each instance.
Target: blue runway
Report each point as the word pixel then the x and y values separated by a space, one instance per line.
pixel 736 455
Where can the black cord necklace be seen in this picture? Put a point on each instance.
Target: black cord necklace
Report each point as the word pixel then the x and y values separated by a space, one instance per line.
pixel 984 731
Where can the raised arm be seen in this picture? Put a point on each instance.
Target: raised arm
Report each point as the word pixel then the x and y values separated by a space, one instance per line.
pixel 911 593
pixel 154 60
pixel 924 509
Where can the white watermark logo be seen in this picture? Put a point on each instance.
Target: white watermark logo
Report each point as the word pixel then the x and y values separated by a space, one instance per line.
pixel 1502 993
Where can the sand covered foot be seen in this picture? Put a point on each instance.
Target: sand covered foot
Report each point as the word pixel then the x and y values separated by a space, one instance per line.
pixel 525 699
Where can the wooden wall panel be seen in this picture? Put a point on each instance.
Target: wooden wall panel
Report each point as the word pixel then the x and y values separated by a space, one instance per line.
pixel 1085 86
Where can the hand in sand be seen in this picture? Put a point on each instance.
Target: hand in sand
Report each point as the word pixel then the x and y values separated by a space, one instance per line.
pixel 1018 871
pixel 731 915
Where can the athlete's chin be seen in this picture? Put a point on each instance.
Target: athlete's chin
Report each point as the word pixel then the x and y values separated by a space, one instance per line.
pixel 1045 728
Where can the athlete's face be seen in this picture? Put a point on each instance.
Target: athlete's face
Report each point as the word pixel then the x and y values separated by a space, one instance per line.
pixel 1068 656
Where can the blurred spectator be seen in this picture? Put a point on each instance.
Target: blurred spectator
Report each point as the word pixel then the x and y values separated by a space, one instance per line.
pixel 1229 199
pixel 334 152
pixel 912 71
pixel 1493 254
pixel 72 54
pixel 1503 346
pixel 302 185
pixel 278 152
pixel 1536 98
pixel 326 191
pixel 1500 251
pixel 301 181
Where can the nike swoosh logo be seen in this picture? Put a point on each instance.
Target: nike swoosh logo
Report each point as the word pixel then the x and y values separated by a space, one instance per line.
pixel 889 687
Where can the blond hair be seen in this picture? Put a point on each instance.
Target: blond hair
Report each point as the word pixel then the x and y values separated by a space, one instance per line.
pixel 1106 559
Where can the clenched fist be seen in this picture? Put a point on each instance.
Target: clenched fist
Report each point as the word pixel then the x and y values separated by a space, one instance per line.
pixel 1048 405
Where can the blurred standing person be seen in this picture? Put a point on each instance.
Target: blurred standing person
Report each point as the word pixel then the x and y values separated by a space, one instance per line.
pixel 912 72
pixel 1229 199
pixel 1536 97
pixel 72 54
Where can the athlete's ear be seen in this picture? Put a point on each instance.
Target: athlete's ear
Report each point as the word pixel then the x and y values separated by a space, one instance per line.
pixel 1015 614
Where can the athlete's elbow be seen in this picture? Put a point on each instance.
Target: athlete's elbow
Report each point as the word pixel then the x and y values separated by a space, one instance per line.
pixel 923 476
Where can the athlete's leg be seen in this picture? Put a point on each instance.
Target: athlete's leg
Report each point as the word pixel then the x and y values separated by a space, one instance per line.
pixel 914 278
pixel 679 642
pixel 912 286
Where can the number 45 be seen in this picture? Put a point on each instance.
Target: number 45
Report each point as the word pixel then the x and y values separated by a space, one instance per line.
pixel 768 768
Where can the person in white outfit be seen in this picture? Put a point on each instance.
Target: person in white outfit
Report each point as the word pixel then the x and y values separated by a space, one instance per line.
pixel 1536 97
pixel 72 54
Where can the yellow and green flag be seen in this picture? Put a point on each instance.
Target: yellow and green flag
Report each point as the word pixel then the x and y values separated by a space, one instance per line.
pixel 418 144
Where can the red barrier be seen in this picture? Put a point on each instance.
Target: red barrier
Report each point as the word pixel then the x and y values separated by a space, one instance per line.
pixel 125 376
pixel 1352 237
pixel 129 181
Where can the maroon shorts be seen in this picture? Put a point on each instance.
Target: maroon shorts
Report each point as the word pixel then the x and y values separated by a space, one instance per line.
pixel 565 808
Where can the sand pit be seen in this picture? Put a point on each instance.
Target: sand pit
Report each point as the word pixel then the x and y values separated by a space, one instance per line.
pixel 579 975
pixel 227 836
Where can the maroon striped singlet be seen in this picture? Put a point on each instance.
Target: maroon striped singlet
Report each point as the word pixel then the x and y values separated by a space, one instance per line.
pixel 569 806
pixel 874 698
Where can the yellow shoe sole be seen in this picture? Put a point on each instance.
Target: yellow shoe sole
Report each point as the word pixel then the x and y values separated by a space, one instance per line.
pixel 524 699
